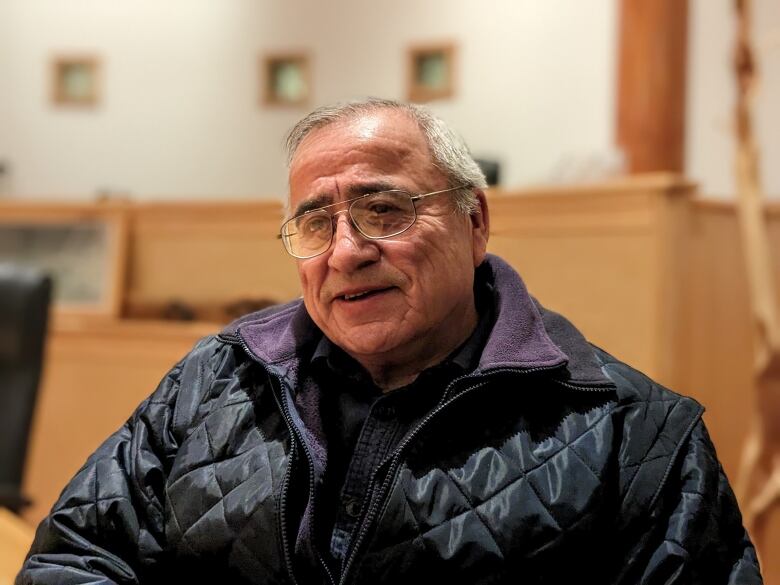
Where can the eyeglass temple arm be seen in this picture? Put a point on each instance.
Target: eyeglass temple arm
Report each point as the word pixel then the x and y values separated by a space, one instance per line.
pixel 424 195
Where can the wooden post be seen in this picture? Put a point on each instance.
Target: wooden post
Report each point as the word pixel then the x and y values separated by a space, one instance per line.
pixel 651 84
pixel 758 482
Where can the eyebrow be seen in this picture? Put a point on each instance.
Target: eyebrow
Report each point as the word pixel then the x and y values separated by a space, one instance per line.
pixel 311 204
pixel 354 191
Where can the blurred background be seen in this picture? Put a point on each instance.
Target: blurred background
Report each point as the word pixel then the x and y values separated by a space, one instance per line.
pixel 142 171
pixel 180 111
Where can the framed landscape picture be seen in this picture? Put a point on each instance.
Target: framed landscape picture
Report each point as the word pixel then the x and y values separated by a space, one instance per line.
pixel 286 79
pixel 75 80
pixel 431 72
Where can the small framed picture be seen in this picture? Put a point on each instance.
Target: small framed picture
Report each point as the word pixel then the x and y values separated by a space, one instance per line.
pixel 431 72
pixel 286 79
pixel 82 246
pixel 75 80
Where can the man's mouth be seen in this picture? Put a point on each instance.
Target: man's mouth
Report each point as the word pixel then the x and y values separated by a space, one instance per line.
pixel 362 294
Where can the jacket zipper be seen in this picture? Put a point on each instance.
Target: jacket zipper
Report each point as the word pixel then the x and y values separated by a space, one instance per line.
pixel 283 511
pixel 371 506
pixel 281 401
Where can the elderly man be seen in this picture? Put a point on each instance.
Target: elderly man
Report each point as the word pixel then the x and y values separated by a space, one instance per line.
pixel 417 415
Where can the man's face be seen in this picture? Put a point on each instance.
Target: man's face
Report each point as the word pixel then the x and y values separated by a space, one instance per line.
pixel 419 284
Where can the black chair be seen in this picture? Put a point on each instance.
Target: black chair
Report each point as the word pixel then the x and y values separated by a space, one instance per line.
pixel 24 306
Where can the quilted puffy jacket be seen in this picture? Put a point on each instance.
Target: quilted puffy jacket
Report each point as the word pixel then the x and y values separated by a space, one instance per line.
pixel 552 461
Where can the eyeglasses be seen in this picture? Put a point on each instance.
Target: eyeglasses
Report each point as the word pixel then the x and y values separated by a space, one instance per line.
pixel 375 215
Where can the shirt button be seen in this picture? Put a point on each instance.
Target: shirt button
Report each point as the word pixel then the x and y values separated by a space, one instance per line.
pixel 352 507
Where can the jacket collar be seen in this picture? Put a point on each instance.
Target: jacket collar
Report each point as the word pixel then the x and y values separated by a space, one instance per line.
pixel 524 337
pixel 527 336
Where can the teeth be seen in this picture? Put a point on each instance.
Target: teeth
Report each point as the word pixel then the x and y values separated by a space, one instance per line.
pixel 356 295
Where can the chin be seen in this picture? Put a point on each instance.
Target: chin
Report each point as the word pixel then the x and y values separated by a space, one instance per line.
pixel 368 341
pixel 367 346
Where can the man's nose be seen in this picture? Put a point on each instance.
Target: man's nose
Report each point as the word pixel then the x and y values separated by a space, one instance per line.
pixel 350 249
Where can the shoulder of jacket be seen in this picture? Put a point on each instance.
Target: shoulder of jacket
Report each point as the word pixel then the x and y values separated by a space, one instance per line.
pixel 195 384
pixel 637 389
pixel 210 356
pixel 655 424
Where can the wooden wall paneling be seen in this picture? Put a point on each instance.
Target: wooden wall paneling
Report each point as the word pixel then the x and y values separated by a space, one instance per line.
pixel 651 84
pixel 718 351
pixel 718 356
pixel 208 253
pixel 16 536
pixel 673 219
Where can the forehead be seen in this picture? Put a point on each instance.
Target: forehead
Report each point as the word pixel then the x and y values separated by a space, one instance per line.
pixel 382 147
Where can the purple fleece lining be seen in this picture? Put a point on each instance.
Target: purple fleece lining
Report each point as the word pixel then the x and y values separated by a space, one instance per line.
pixel 278 336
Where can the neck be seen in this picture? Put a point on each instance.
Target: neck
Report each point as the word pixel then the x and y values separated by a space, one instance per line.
pixel 390 372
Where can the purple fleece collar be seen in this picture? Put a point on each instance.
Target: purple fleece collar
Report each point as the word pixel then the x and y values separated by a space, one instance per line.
pixel 282 336
pixel 518 339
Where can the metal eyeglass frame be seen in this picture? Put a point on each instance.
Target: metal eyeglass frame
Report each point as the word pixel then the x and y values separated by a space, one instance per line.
pixel 351 202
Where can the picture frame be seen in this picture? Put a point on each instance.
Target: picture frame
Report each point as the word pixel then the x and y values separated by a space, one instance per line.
pixel 286 79
pixel 82 246
pixel 431 71
pixel 75 80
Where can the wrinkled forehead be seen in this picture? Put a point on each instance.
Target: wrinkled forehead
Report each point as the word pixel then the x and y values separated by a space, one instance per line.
pixel 374 151
pixel 384 133
pixel 366 125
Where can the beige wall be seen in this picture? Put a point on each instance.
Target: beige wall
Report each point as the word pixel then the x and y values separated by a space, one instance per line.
pixel 181 118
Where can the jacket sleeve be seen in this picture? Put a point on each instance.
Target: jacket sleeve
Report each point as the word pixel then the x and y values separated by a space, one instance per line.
pixel 107 526
pixel 696 533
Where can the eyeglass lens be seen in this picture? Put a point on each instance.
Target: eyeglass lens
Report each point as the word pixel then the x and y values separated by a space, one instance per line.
pixel 378 215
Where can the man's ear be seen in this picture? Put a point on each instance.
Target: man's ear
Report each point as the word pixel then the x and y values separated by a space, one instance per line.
pixel 480 227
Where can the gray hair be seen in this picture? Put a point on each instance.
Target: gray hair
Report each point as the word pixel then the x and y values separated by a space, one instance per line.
pixel 448 150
